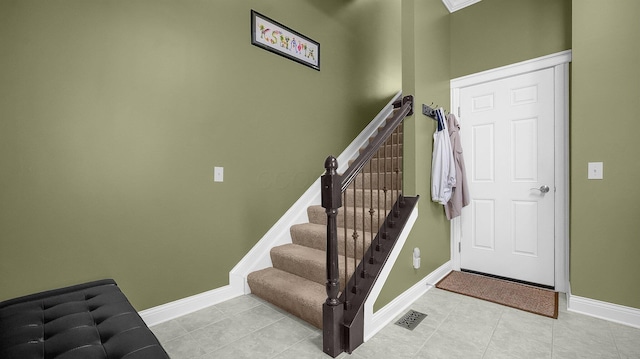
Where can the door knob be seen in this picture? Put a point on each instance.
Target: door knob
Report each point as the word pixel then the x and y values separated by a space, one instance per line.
pixel 543 189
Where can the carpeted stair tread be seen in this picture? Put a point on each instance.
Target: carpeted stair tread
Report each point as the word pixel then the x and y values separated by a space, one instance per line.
pixel 296 295
pixel 314 235
pixel 305 262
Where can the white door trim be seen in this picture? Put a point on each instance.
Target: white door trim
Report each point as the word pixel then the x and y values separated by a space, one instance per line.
pixel 560 63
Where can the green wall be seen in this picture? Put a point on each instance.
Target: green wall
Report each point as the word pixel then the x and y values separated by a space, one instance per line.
pixel 494 33
pixel 114 113
pixel 605 230
pixel 425 74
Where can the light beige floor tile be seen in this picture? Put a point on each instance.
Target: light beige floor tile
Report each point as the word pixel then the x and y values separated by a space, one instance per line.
pixel 394 341
pixel 219 334
pixel 185 347
pixel 455 327
pixel 308 348
pixel 467 330
pixel 200 318
pixel 447 345
pixel 517 324
pixel 267 342
pixel 257 317
pixel 584 336
pixel 521 335
pixel 438 305
pixel 235 327
pixel 580 352
pixel 518 344
pixel 627 340
pixel 238 304
pixel 168 330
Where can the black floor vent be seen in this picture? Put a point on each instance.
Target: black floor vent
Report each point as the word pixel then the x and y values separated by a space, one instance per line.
pixel 411 319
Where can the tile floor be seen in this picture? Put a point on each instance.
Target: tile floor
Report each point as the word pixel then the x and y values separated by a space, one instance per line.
pixel 455 327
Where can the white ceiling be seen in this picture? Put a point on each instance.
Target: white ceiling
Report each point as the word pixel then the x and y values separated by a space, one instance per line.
pixel 454 5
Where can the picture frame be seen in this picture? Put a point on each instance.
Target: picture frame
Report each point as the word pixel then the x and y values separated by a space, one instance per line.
pixel 282 40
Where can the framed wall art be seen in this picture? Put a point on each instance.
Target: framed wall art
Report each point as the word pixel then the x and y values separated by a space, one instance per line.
pixel 279 39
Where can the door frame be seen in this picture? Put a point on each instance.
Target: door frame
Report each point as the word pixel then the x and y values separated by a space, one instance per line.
pixel 560 63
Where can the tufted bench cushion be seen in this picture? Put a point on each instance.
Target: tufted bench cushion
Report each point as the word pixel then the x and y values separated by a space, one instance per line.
pixel 85 321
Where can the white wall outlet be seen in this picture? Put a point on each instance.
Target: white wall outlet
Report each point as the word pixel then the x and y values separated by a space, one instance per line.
pixel 218 174
pixel 416 258
pixel 596 170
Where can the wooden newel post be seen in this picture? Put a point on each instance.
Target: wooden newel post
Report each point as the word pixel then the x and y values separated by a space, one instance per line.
pixel 332 311
pixel 331 201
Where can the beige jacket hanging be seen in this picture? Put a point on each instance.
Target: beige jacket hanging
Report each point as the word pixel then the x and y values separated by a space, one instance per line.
pixel 460 195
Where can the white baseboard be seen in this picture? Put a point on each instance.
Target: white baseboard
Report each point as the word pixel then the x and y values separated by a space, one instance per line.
pixel 608 311
pixel 180 307
pixel 390 311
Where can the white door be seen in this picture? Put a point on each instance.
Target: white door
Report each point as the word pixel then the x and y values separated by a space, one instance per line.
pixel 507 132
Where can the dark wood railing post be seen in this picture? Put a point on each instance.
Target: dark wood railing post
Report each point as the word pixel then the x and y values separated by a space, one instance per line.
pixel 343 317
pixel 332 310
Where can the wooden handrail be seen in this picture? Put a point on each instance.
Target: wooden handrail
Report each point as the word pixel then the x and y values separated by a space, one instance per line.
pixel 356 167
pixel 342 315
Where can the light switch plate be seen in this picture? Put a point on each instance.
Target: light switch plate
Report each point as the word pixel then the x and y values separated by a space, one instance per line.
pixel 595 170
pixel 218 174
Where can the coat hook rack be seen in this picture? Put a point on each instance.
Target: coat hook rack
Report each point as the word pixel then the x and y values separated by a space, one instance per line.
pixel 429 111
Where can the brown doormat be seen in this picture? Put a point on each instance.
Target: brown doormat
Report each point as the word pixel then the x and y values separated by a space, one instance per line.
pixel 515 295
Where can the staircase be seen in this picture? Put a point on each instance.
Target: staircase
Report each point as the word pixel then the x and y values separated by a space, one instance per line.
pixel 296 281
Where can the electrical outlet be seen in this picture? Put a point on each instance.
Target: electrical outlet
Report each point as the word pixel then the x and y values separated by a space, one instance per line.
pixel 218 174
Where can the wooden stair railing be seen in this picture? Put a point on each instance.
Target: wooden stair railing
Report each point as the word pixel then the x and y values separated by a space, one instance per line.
pixel 372 180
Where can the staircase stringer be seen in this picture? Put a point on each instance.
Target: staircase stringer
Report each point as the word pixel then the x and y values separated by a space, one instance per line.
pixel 259 256
pixel 361 313
pixel 369 329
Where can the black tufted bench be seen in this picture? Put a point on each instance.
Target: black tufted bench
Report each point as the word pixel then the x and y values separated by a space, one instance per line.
pixel 85 321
